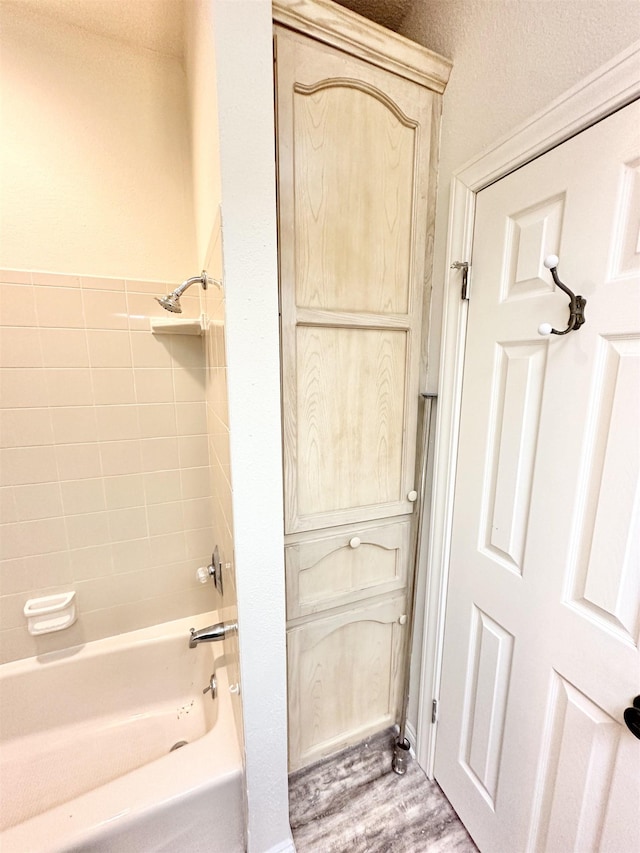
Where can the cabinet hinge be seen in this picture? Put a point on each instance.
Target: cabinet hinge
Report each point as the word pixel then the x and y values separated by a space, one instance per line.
pixel 434 711
pixel 464 266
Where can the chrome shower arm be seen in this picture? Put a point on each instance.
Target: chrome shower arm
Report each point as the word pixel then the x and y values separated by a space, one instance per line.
pixel 171 302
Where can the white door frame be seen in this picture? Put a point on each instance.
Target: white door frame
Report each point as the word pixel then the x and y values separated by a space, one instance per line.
pixel 609 88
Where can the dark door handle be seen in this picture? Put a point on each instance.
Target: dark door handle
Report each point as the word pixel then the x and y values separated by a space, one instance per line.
pixel 632 717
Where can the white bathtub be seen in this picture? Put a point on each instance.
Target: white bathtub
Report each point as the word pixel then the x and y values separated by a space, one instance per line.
pixel 85 761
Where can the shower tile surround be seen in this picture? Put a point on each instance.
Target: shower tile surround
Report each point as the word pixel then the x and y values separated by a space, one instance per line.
pixel 105 483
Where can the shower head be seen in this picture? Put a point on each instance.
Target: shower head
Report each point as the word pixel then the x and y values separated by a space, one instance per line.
pixel 171 302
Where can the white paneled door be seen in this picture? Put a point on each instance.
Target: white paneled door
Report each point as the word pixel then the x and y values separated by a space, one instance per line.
pixel 543 613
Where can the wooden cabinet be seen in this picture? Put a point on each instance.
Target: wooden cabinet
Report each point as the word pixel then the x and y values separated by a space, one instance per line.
pixel 344 673
pixel 343 566
pixel 357 122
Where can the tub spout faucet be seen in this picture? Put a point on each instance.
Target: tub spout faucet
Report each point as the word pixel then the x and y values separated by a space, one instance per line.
pixel 212 634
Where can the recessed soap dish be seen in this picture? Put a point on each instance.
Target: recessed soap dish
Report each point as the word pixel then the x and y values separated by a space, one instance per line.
pixel 51 613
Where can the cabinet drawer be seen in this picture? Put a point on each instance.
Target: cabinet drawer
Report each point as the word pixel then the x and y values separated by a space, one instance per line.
pixel 339 568
pixel 344 679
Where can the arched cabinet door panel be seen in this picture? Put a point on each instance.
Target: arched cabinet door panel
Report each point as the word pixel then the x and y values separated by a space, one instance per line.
pixel 343 679
pixel 335 568
pixel 353 167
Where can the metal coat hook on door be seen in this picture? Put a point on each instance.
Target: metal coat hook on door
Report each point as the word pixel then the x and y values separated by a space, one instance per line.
pixel 576 303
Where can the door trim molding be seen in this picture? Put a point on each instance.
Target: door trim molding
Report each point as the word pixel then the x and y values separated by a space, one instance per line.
pixel 614 85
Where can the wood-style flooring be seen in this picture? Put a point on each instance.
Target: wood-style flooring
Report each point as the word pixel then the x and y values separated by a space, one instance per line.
pixel 354 802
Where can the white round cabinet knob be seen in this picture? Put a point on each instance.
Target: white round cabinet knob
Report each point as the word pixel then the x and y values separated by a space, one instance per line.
pixel 355 542
pixel 412 496
pixel 544 329
pixel 551 261
pixel 203 574
pixel 402 619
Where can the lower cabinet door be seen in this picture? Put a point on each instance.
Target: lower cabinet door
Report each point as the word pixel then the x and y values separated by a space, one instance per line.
pixel 340 567
pixel 344 679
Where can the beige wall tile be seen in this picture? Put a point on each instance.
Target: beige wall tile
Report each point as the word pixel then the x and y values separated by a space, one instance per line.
pixel 130 523
pixel 113 386
pixel 157 420
pixel 81 496
pixel 131 556
pixel 153 384
pixel 59 307
pixel 109 348
pixel 187 350
pixel 14 576
pixel 165 518
pixel 141 307
pixel 168 548
pixel 48 570
pixel 20 347
pixel 78 461
pixel 120 457
pixel 127 490
pixel 155 288
pixel 16 276
pixel 16 643
pixel 20 465
pixel 69 387
pixel 197 513
pixel 40 500
pixel 117 423
pixel 199 542
pixel 23 388
pixel 189 384
pixel 88 529
pixel 73 425
pixel 85 502
pixel 105 309
pixel 196 482
pixel 191 418
pixel 90 282
pixel 148 350
pixel 25 427
pixel 17 305
pixel 194 451
pixel 8 512
pixel 159 454
pixel 11 610
pixel 162 486
pixel 96 593
pixel 64 347
pixel 91 562
pixel 32 537
pixel 49 279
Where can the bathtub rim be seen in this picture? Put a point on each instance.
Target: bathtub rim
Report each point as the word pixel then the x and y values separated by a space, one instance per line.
pixel 210 761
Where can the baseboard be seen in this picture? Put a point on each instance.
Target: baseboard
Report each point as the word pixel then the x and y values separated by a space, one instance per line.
pixel 286 846
pixel 411 736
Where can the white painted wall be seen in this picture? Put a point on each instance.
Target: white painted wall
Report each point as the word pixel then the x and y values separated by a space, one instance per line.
pixel 95 161
pixel 511 58
pixel 200 66
pixel 243 46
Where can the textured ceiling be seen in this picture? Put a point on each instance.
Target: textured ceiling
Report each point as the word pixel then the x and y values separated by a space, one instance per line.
pixel 158 24
pixel 388 13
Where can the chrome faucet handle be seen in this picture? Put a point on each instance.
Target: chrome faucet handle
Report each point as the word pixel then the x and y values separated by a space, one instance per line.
pixel 213 686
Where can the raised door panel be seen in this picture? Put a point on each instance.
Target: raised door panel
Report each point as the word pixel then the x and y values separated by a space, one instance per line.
pixel 350 405
pixel 353 178
pixel 340 568
pixel 343 679
pixel 353 193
